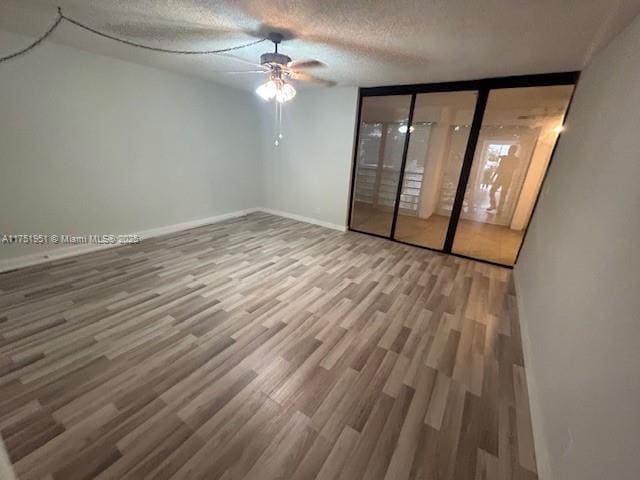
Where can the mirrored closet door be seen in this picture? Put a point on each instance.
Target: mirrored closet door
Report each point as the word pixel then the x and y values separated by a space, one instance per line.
pixel 382 133
pixel 520 127
pixel 457 167
pixel 438 141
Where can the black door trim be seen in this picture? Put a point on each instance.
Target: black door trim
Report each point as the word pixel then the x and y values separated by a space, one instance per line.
pixel 356 146
pixel 465 170
pixel 483 87
pixel 403 164
pixel 538 80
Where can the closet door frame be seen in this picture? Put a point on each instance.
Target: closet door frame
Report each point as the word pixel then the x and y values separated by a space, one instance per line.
pixel 483 88
pixel 403 164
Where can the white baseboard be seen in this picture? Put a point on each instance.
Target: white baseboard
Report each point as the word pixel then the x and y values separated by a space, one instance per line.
pixel 300 218
pixel 73 250
pixel 543 461
pixel 178 227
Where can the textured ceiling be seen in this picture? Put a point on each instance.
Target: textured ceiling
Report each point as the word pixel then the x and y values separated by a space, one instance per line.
pixel 364 43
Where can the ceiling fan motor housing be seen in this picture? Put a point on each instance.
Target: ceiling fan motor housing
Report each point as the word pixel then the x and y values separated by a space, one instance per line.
pixel 276 58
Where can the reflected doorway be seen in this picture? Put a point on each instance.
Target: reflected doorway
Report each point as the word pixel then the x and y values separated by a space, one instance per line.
pixel 520 127
pixel 457 169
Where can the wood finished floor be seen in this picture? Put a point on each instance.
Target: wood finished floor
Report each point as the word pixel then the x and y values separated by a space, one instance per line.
pixel 263 348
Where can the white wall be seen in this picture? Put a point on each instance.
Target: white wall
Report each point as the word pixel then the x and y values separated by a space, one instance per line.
pixel 90 144
pixel 578 280
pixel 309 173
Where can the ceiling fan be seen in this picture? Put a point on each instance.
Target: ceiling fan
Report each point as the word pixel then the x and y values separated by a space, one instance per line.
pixel 280 70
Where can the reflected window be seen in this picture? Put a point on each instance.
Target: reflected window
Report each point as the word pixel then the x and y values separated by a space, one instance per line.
pixel 383 129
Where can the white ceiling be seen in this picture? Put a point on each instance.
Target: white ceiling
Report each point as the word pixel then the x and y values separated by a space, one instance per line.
pixel 362 42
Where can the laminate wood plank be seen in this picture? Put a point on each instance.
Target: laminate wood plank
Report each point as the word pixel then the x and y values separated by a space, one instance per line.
pixel 450 431
pixel 487 466
pixel 6 470
pixel 287 449
pixel 262 347
pixel 339 454
pixel 400 466
pixel 387 438
pixel 438 402
pixel 313 460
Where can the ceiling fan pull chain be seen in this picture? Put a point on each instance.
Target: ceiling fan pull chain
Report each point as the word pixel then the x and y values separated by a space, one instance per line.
pixel 278 124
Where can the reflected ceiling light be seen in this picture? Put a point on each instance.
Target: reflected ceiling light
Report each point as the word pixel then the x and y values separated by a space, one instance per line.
pixel 559 129
pixel 276 87
pixel 403 129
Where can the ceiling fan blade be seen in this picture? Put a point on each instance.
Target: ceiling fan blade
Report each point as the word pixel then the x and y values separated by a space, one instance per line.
pixel 305 64
pixel 305 77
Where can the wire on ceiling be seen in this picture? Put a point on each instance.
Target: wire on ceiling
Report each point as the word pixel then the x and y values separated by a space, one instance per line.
pixel 37 42
pixel 62 16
